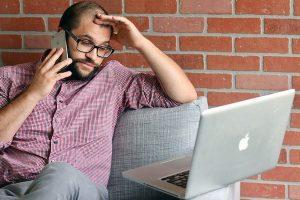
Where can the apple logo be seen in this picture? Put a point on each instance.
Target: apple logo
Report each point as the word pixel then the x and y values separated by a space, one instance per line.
pixel 243 145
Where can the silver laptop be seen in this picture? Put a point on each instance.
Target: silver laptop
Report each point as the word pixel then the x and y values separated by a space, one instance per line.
pixel 234 142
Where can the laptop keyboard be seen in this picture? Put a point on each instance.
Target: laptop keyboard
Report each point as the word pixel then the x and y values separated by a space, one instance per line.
pixel 179 179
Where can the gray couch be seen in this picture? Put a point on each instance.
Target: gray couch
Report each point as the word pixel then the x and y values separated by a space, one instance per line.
pixel 151 134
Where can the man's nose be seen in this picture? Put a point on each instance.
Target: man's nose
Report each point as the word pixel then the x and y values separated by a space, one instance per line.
pixel 92 55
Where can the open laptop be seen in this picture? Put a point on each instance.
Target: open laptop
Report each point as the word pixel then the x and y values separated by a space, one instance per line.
pixel 233 142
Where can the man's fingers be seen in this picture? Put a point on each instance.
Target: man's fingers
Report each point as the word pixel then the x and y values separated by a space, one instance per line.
pixel 61 65
pixel 105 23
pixel 48 56
pixel 99 22
pixel 62 75
pixel 110 18
pixel 112 24
pixel 51 61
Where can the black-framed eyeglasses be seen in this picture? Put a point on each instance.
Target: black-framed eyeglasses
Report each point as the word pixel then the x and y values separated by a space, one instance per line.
pixel 86 46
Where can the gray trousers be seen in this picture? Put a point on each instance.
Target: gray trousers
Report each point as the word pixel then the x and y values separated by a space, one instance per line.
pixel 57 181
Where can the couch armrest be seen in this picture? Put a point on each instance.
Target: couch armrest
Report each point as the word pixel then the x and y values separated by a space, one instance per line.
pixel 148 135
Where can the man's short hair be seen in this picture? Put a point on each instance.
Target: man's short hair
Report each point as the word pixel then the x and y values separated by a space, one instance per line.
pixel 71 17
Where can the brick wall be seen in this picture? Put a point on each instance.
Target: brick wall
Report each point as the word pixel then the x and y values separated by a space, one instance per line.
pixel 230 50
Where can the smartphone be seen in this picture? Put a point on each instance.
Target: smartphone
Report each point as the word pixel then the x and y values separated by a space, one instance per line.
pixel 59 41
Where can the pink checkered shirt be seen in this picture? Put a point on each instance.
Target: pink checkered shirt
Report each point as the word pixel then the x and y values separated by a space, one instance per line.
pixel 75 122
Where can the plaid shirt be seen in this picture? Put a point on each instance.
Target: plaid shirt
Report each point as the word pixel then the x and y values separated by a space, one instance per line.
pixel 75 122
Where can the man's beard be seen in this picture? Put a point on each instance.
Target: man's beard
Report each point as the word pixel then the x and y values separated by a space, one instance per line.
pixel 77 75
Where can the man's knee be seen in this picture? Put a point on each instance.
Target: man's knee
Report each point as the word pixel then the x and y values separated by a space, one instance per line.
pixel 66 180
pixel 63 172
pixel 62 168
pixel 75 180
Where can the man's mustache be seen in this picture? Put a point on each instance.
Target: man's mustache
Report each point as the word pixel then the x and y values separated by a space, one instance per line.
pixel 85 61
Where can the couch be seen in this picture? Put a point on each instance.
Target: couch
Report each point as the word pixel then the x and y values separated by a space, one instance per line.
pixel 148 135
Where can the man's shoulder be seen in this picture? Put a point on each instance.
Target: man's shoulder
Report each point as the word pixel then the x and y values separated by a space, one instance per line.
pixel 117 66
pixel 118 70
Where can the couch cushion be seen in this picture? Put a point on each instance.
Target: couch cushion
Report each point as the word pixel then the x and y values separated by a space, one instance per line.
pixel 147 135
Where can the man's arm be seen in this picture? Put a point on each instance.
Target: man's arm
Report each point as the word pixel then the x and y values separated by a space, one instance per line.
pixel 13 115
pixel 171 77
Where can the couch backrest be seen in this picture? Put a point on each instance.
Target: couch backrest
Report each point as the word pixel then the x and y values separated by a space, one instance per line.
pixel 147 135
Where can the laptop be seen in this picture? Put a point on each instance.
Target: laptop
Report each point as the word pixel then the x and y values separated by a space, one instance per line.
pixel 234 141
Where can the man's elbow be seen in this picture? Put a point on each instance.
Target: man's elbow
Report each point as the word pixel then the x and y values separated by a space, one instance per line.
pixel 189 99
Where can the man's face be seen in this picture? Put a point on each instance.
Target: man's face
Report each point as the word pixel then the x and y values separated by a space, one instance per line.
pixel 85 65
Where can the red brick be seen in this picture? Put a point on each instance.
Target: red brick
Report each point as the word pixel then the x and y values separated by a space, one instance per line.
pixel 112 7
pixel 263 7
pixel 200 94
pixel 281 64
pixel 45 6
pixel 13 58
pixel 206 6
pixel 253 177
pixel 296 82
pixel 237 63
pixel 142 23
pixel 37 41
pixel 296 7
pixel 223 98
pixel 22 24
pixel 262 190
pixel 129 59
pixel 292 138
pixel 295 120
pixel 178 24
pixel 282 157
pixel 233 25
pixel 53 24
pixel 188 61
pixel 261 82
pixel 296 104
pixel 165 43
pixel 216 81
pixel 282 26
pixel 295 156
pixel 10 42
pixel 116 45
pixel 205 43
pixel 296 45
pixel 262 45
pixel 294 192
pixel 9 6
pixel 291 174
pixel 153 6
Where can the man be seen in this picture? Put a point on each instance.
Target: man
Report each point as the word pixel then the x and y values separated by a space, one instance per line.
pixel 56 126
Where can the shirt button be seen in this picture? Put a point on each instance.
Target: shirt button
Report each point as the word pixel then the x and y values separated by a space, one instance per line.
pixel 60 101
pixel 55 141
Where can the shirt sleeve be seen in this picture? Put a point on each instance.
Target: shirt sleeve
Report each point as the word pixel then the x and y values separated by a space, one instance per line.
pixel 4 145
pixel 5 84
pixel 142 89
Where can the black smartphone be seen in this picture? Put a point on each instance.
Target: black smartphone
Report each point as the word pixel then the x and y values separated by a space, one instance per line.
pixel 59 41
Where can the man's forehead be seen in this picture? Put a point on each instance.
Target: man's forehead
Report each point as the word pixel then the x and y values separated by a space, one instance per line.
pixel 88 36
pixel 92 31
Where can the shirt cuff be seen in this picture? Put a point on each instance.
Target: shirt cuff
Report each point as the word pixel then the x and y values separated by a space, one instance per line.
pixel 4 145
